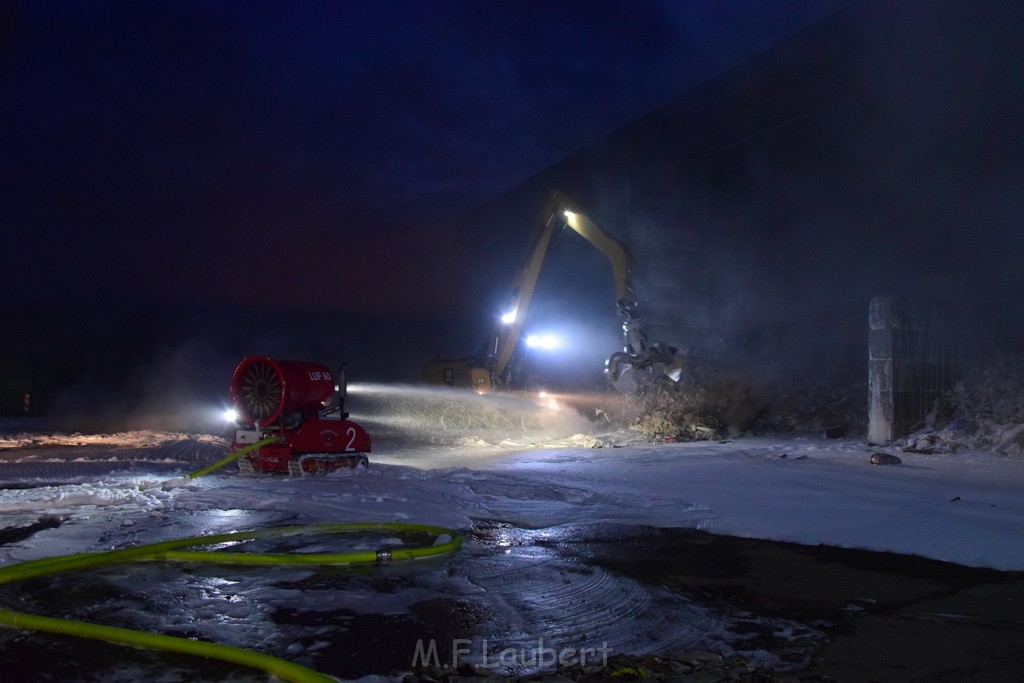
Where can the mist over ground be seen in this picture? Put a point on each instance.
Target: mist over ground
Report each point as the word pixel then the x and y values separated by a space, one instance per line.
pixel 893 173
pixel 171 368
pixel 901 183
pixel 901 180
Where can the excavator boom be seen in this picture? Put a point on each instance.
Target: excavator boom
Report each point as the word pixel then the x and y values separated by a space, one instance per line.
pixel 558 211
pixel 639 355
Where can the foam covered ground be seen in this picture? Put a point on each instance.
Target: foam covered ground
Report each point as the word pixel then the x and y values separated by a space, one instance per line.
pixel 64 492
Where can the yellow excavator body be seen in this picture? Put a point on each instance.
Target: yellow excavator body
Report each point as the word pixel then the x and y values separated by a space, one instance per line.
pixel 459 373
pixel 498 369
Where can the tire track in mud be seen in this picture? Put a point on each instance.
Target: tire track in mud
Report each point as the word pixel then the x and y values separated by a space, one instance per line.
pixel 543 591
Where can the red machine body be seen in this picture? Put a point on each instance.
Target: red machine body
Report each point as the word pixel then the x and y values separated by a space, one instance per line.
pixel 301 404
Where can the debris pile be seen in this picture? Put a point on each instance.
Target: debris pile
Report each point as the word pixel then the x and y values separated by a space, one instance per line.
pixel 817 403
pixel 574 441
pixel 726 406
pixel 983 412
pixel 672 413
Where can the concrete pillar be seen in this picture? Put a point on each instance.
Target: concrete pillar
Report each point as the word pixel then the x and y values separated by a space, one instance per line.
pixel 881 408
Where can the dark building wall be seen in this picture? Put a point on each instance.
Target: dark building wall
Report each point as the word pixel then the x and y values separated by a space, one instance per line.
pixel 879 153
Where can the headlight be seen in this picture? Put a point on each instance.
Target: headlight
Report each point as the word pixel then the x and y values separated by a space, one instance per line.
pixel 547 342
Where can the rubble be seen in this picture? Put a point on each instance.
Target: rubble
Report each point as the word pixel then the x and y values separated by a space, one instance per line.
pixel 472 442
pixel 884 459
pixel 674 413
pixel 577 441
pixel 836 406
pixel 725 405
pixel 574 441
pixel 983 412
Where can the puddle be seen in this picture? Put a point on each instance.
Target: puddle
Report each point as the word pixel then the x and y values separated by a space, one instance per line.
pixel 20 533
pixel 512 601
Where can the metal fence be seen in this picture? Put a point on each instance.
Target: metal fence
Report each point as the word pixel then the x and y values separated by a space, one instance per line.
pixel 916 352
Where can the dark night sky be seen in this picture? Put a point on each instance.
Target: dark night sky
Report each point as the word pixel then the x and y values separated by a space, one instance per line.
pixel 309 155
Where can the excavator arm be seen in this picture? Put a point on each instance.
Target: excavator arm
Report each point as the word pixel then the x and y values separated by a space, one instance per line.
pixel 638 353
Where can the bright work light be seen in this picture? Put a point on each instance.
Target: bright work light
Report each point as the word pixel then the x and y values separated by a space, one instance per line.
pixel 547 342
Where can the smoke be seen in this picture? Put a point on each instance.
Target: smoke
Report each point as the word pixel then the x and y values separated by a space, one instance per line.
pixel 896 177
pixel 181 388
pixel 171 371
pixel 878 154
pixel 167 370
pixel 405 413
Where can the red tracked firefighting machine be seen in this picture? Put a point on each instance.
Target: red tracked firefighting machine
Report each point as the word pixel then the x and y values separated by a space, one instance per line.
pixel 303 405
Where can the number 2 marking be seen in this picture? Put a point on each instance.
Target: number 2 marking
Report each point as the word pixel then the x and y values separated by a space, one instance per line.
pixel 352 438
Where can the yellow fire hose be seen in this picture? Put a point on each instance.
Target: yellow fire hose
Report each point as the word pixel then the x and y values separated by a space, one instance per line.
pixel 174 550
pixel 231 457
pixel 445 541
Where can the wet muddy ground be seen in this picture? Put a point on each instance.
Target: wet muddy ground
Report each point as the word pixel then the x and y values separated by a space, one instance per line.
pixel 821 613
pixel 886 617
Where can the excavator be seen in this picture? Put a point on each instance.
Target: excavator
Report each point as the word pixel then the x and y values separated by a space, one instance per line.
pixel 640 364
